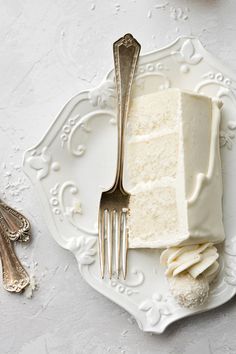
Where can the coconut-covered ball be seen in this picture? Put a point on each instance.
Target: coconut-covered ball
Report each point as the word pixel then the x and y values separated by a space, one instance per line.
pixel 189 292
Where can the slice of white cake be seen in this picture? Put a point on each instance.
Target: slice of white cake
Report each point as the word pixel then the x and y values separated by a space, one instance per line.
pixel 173 170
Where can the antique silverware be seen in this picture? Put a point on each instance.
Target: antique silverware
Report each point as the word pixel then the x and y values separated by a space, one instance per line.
pixel 14 224
pixel 114 203
pixel 15 278
pixel 13 227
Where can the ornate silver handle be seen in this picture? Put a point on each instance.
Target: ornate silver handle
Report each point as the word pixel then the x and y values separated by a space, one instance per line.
pixel 15 278
pixel 13 223
pixel 126 51
pixel 13 227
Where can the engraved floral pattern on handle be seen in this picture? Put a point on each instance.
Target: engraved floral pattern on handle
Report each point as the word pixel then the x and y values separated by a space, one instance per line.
pixel 14 224
pixel 13 227
pixel 15 278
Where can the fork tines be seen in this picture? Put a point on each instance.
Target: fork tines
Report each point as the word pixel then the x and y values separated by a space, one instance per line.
pixel 113 239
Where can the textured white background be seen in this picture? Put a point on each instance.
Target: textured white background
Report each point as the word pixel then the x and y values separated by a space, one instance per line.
pixel 50 50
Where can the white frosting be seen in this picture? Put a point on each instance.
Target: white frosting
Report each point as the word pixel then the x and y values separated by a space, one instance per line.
pixel 173 170
pixel 190 269
pixel 202 178
pixel 195 260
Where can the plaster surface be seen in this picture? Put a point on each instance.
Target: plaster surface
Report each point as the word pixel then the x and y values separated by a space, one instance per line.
pixel 51 50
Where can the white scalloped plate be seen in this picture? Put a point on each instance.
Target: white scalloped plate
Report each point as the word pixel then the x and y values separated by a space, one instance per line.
pixel 76 159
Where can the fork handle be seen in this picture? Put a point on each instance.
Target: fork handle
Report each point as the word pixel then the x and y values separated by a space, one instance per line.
pixel 125 51
pixel 15 277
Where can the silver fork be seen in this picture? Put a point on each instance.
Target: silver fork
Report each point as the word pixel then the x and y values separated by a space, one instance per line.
pixel 13 227
pixel 114 203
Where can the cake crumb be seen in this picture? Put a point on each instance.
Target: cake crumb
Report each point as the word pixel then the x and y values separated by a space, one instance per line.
pixel 124 332
pixel 31 288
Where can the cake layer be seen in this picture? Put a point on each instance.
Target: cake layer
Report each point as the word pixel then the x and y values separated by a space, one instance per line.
pixel 146 212
pixel 152 159
pixel 145 118
pixel 174 135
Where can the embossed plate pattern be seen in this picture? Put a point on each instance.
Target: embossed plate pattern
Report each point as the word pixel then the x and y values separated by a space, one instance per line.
pixel 76 159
